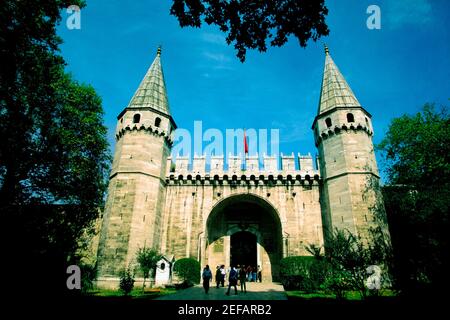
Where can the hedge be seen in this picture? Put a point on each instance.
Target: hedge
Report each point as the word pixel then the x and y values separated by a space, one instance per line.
pixel 304 273
pixel 187 269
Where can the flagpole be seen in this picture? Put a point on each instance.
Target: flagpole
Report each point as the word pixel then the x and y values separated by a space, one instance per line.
pixel 245 150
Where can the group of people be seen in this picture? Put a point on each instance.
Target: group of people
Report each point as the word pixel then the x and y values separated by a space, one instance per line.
pixel 236 276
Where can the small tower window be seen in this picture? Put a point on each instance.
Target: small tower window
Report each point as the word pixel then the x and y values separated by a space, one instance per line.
pixel 157 122
pixel 328 122
pixel 136 118
pixel 350 117
pixel 367 121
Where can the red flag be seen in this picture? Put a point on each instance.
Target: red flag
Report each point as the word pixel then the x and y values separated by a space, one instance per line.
pixel 245 143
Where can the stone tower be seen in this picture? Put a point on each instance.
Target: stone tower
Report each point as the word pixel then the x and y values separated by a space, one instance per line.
pixel 136 194
pixel 343 135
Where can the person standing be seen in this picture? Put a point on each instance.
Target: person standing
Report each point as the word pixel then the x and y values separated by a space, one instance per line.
pixel 249 273
pixel 222 275
pixel 207 276
pixel 243 279
pixel 254 274
pixel 218 276
pixel 232 280
pixel 259 273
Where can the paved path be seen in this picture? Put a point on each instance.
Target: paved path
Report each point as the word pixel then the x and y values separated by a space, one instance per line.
pixel 255 291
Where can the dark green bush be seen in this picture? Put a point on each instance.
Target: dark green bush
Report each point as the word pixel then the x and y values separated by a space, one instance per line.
pixel 126 283
pixel 338 282
pixel 187 269
pixel 88 276
pixel 303 273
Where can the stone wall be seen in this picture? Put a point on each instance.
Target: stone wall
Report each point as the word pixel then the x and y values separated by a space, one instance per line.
pixel 189 204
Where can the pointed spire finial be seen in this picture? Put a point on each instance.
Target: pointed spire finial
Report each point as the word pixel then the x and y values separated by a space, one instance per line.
pixel 151 92
pixel 327 52
pixel 335 90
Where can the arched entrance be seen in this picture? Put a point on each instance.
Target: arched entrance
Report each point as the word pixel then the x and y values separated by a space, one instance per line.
pixel 246 230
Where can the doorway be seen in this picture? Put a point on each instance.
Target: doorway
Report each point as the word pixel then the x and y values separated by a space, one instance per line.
pixel 243 249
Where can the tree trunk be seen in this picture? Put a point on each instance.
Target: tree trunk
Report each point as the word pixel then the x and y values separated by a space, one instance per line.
pixel 143 285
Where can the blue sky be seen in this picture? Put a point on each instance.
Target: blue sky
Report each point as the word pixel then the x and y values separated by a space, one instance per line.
pixel 392 71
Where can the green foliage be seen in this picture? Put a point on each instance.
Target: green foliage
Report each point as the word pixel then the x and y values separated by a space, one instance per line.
pixel 88 276
pixel 147 259
pixel 349 257
pixel 295 264
pixel 53 156
pixel 187 269
pixel 315 250
pixel 416 152
pixel 251 24
pixel 303 273
pixel 338 282
pixel 126 283
pixel 417 149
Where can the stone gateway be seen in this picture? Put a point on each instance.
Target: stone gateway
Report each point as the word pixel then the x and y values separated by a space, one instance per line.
pixel 252 215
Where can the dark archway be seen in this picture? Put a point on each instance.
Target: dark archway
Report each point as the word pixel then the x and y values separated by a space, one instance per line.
pixel 237 221
pixel 243 249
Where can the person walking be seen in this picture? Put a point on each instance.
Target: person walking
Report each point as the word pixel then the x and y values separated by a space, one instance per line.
pixel 243 279
pixel 238 269
pixel 232 280
pixel 207 276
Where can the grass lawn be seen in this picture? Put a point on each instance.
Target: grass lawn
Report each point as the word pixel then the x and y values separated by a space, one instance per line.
pixel 136 293
pixel 349 295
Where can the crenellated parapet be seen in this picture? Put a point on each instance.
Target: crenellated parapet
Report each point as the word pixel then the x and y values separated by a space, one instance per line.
pixel 146 127
pixel 341 128
pixel 250 171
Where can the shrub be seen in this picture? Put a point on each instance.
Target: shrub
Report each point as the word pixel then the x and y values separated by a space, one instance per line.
pixel 303 273
pixel 338 282
pixel 188 269
pixel 88 276
pixel 126 281
pixel 350 257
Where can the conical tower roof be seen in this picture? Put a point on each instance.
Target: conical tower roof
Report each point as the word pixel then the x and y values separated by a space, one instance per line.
pixel 152 90
pixel 335 90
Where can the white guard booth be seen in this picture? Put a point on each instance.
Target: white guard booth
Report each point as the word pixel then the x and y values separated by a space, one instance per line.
pixel 163 273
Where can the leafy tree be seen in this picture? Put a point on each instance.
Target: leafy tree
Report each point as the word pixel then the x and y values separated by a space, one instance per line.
pixel 30 69
pixel 251 24
pixel 416 153
pixel 417 149
pixel 53 155
pixel 147 259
